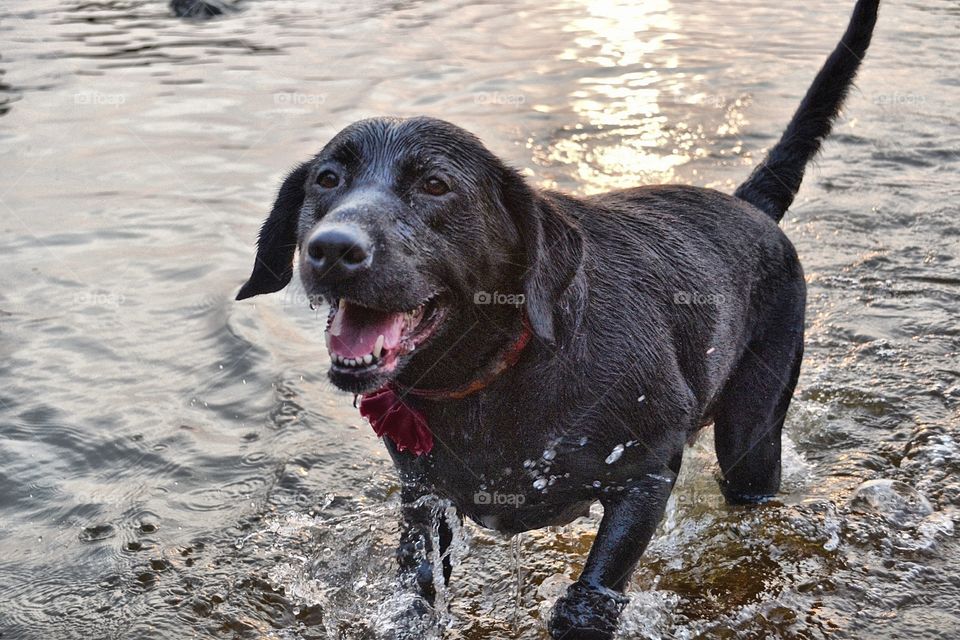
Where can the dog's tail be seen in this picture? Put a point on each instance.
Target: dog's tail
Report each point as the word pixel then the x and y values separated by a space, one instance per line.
pixel 775 181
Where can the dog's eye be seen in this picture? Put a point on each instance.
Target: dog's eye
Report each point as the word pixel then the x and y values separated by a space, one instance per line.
pixel 328 180
pixel 435 186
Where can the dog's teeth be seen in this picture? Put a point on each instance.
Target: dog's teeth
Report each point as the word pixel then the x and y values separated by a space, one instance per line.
pixel 378 346
pixel 359 361
pixel 337 325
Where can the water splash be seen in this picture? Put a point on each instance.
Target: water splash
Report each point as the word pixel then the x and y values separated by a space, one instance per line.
pixel 517 549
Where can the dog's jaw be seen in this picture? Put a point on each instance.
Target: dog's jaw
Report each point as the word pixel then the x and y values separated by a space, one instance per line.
pixel 368 347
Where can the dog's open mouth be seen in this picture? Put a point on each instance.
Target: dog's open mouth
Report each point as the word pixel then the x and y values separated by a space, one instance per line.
pixel 364 341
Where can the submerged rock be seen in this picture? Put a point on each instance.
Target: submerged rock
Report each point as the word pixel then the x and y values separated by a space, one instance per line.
pixel 896 502
pixel 97 532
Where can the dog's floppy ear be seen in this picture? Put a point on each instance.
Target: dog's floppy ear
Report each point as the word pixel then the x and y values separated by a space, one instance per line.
pixel 554 285
pixel 273 267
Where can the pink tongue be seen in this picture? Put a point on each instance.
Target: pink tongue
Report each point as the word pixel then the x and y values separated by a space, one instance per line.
pixel 354 331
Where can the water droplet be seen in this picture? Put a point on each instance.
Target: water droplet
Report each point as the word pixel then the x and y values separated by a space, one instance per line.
pixel 615 454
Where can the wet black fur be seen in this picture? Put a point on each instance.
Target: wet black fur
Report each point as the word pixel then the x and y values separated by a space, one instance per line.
pixel 655 310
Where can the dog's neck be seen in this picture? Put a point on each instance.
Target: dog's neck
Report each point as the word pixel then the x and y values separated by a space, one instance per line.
pixel 476 353
pixel 507 359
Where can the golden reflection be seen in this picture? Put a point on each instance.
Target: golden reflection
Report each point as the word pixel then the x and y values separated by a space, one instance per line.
pixel 618 33
pixel 623 137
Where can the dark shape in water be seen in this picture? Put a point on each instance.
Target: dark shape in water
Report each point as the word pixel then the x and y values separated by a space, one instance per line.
pixel 97 532
pixel 198 8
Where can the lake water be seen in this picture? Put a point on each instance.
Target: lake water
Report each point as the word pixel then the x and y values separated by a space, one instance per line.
pixel 175 465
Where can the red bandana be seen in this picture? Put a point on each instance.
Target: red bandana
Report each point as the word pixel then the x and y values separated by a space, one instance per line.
pixel 390 416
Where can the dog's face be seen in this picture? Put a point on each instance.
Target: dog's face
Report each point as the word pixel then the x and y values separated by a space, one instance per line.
pixel 399 225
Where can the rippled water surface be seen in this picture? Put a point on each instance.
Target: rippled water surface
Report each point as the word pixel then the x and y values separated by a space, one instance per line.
pixel 175 465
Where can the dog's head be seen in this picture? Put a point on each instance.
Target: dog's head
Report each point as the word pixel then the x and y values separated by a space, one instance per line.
pixel 412 231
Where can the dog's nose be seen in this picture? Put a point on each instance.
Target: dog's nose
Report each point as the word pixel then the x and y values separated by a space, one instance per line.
pixel 337 251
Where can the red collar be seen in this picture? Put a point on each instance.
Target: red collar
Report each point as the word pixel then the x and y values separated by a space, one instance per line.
pixel 507 360
pixel 390 416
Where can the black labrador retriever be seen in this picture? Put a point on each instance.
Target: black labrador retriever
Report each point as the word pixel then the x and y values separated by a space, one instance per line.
pixel 526 353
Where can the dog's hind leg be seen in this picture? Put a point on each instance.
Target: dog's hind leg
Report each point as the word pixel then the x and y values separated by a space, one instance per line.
pixel 591 607
pixel 749 414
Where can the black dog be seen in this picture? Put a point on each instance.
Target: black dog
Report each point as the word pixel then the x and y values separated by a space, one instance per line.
pixel 527 353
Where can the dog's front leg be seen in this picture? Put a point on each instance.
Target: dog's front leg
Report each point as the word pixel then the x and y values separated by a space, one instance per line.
pixel 421 518
pixel 590 609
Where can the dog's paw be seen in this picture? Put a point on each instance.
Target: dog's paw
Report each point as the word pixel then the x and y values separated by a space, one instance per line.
pixel 424 581
pixel 586 613
pixel 405 617
pixel 417 573
pixel 738 498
